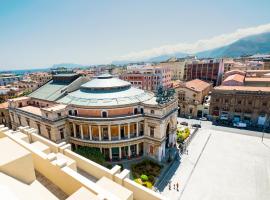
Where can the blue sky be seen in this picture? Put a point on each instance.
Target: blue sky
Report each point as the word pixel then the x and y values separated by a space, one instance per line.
pixel 39 33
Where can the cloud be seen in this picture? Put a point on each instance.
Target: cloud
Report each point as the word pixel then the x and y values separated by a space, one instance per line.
pixel 200 45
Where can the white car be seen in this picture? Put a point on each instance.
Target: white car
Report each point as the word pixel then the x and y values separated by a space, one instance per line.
pixel 203 119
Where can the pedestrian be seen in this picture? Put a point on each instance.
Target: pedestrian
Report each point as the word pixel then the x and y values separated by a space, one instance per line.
pixel 174 186
pixel 170 186
pixel 187 151
pixel 177 186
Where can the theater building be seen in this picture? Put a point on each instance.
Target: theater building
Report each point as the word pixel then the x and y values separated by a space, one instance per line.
pixel 105 113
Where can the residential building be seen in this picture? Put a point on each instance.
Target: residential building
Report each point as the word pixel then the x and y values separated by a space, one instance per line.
pixel 40 77
pixel 6 79
pixel 4 115
pixel 210 70
pixel 255 78
pixel 27 85
pixel 106 113
pixel 7 92
pixel 247 104
pixel 177 67
pixel 191 97
pixel 33 167
pixel 148 77
pixel 234 80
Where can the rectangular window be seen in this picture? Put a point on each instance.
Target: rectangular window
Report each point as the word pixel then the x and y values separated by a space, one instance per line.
pixel 152 131
pixel 62 135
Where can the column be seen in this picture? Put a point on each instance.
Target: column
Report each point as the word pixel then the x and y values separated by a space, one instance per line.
pixel 99 132
pixel 74 130
pixel 137 149
pixel 90 132
pixel 120 153
pixel 109 132
pixel 128 130
pixel 137 129
pixel 119 131
pixel 81 127
pixel 128 151
pixel 110 149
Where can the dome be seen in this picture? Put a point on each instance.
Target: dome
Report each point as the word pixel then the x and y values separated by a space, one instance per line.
pixel 105 82
pixel 106 90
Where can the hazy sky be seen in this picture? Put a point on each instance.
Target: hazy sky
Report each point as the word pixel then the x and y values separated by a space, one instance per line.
pixel 39 33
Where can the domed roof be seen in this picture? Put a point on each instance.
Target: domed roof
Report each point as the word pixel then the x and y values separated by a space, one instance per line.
pixel 105 82
pixel 106 90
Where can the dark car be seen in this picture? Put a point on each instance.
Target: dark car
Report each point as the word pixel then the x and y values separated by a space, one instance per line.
pixel 196 126
pixel 184 123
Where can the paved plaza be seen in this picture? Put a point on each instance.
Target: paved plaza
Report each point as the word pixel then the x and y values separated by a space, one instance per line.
pixel 222 163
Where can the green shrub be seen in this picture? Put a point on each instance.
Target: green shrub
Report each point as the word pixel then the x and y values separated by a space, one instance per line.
pixel 144 177
pixel 93 154
pixel 138 180
pixel 183 134
pixel 146 172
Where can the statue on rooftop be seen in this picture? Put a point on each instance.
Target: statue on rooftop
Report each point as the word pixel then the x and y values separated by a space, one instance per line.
pixel 164 95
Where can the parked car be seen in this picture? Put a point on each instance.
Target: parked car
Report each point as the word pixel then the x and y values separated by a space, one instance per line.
pixel 240 124
pixel 184 123
pixel 203 119
pixel 196 125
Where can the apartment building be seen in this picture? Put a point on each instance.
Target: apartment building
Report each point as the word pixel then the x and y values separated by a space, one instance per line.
pixel 148 77
pixel 245 104
pixel 6 79
pixel 177 67
pixel 210 70
pixel 192 95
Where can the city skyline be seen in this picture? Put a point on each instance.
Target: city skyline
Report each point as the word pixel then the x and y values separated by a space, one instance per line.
pixel 35 34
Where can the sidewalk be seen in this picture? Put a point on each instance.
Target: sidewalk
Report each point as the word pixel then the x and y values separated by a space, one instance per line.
pixel 181 171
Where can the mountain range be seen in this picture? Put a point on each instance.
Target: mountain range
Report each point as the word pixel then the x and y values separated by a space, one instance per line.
pixel 254 44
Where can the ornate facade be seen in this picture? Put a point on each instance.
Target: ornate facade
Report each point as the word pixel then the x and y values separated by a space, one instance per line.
pixel 105 113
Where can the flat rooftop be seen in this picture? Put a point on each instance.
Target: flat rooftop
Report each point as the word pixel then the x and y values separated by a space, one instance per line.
pixel 231 166
pixel 242 88
pixel 32 109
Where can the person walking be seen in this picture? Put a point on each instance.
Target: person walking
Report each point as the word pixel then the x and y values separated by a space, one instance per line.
pixel 177 186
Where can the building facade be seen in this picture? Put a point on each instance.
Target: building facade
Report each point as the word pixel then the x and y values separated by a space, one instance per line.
pixel 234 104
pixel 177 67
pixel 105 113
pixel 208 70
pixel 192 97
pixel 148 77
pixel 6 79
pixel 4 115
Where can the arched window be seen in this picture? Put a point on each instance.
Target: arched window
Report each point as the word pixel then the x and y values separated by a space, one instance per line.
pixel 75 112
pixel 104 114
pixel 70 112
pixel 135 111
pixel 142 111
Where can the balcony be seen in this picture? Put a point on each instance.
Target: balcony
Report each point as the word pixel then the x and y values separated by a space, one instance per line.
pixel 96 140
pixel 115 118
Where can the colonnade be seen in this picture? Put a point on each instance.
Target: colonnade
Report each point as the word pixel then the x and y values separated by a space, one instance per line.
pixel 81 131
